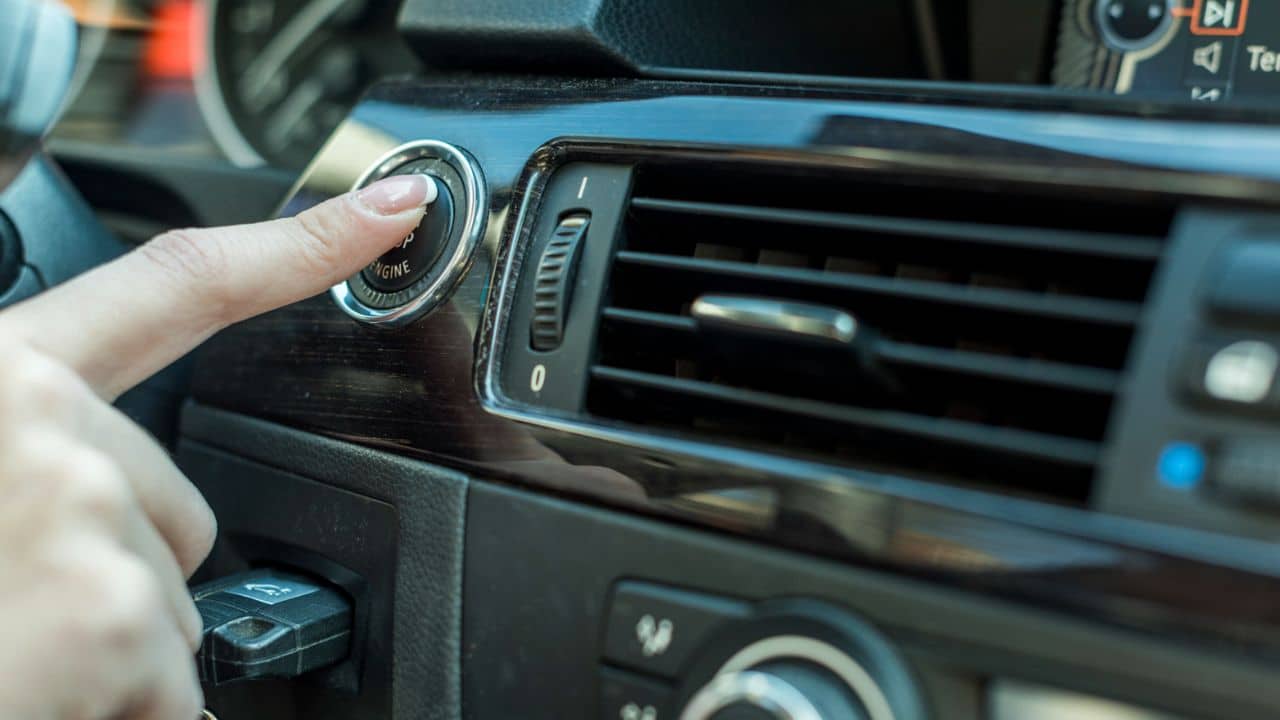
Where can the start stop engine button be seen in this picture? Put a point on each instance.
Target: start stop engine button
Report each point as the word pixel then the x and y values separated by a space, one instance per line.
pixel 425 267
pixel 407 262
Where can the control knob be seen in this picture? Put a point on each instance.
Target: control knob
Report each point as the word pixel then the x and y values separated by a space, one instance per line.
pixel 783 690
pixel 793 677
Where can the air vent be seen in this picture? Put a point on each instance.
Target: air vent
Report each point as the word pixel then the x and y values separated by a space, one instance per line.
pixel 994 322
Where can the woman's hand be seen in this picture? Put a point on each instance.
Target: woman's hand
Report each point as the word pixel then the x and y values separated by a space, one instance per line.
pixel 98 529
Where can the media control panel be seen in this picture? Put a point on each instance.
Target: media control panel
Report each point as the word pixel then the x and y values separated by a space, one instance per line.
pixel 1195 51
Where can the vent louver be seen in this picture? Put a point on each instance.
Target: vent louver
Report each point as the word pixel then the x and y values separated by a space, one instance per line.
pixel 1004 318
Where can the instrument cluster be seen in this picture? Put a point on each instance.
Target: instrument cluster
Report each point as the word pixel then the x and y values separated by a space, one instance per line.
pixel 259 82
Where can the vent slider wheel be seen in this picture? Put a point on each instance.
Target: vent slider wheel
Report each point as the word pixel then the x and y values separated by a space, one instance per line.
pixel 553 283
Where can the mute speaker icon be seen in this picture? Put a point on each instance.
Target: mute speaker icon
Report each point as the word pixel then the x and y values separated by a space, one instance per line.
pixel 1209 57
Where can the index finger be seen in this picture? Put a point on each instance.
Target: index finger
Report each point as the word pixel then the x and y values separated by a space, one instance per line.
pixel 120 323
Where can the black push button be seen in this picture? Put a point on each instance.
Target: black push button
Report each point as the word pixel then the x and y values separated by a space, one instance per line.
pixel 656 629
pixel 1248 470
pixel 266 624
pixel 624 696
pixel 1245 281
pixel 408 262
pixel 553 284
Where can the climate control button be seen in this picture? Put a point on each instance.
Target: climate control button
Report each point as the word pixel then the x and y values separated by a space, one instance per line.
pixel 624 696
pixel 656 629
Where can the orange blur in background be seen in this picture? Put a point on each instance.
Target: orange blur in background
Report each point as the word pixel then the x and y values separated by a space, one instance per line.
pixel 175 32
pixel 175 48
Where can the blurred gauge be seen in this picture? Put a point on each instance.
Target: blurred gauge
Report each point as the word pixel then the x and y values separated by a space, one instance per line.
pixel 283 73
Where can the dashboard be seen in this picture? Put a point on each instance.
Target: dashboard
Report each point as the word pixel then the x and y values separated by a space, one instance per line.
pixel 172 73
pixel 890 360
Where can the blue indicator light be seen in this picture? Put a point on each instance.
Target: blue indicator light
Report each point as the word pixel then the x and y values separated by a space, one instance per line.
pixel 1181 466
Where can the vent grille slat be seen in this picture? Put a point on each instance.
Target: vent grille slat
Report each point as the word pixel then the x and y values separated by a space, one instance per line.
pixel 953 432
pixel 1005 301
pixel 993 323
pixel 1000 367
pixel 1099 244
pixel 1064 377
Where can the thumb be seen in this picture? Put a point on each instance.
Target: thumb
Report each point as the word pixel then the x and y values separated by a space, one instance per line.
pixel 125 320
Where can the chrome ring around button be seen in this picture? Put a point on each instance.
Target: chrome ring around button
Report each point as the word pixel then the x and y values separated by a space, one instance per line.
pixel 822 654
pixel 756 689
pixel 442 280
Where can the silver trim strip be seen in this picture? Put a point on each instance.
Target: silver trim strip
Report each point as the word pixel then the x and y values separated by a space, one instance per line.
pixel 1016 700
pixel 474 214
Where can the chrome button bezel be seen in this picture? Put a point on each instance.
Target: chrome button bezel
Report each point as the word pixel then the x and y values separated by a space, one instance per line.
pixel 442 280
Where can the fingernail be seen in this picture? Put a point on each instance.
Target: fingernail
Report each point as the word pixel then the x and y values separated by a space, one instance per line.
pixel 398 193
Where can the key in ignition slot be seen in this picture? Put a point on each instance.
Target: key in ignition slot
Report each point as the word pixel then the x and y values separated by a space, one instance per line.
pixel 269 624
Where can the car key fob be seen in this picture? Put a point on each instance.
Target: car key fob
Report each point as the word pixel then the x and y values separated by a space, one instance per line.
pixel 270 624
